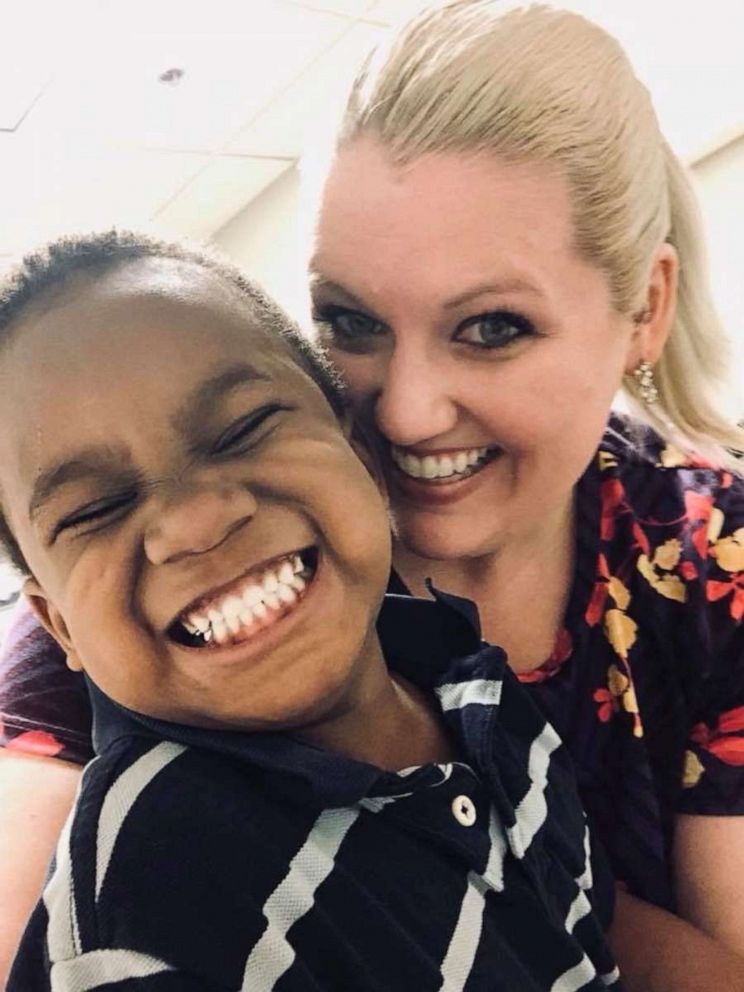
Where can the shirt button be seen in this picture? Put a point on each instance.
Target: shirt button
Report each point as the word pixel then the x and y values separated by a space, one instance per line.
pixel 464 811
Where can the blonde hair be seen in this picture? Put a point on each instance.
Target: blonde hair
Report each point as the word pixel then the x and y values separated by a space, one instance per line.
pixel 546 85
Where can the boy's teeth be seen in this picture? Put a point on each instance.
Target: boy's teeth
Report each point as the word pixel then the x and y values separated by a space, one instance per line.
pixel 278 587
pixel 232 608
pixel 437 466
pixel 220 632
pixel 286 594
pixel 252 595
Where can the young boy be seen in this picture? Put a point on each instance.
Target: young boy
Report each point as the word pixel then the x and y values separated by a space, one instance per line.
pixel 283 797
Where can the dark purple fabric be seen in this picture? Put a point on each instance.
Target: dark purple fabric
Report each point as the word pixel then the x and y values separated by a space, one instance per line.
pixel 44 707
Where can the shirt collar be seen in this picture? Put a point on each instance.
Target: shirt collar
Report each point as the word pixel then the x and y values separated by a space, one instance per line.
pixel 421 639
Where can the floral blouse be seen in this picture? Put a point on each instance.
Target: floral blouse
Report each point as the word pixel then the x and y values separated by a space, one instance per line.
pixel 646 681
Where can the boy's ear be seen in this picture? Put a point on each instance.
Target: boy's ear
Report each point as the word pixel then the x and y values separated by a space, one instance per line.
pixel 362 441
pixel 51 620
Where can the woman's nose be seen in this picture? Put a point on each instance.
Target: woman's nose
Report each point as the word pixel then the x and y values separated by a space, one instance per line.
pixel 196 520
pixel 413 403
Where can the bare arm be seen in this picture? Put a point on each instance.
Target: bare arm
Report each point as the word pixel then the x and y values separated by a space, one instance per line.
pixel 659 952
pixel 35 797
pixel 709 868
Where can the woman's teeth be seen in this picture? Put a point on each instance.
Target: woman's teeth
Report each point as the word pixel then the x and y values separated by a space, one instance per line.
pixel 251 605
pixel 453 465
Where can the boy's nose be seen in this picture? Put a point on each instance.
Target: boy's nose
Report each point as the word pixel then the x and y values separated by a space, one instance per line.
pixel 196 521
pixel 413 403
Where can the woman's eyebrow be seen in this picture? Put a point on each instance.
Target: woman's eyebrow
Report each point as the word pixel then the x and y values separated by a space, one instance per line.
pixel 319 283
pixel 91 463
pixel 516 285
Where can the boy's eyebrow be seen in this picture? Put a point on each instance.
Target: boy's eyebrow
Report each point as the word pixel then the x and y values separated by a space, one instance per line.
pixel 87 463
pixel 190 416
pixel 101 460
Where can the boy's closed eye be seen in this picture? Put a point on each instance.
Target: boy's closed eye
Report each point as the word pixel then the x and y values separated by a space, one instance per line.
pixel 242 433
pixel 96 514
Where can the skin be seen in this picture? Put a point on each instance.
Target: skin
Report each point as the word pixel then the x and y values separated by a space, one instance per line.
pixel 451 295
pixel 37 794
pixel 182 492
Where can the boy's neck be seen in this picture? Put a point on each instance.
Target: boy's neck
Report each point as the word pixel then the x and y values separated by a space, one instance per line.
pixel 389 722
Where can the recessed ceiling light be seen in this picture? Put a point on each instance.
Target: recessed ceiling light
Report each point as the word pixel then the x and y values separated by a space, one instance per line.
pixel 172 76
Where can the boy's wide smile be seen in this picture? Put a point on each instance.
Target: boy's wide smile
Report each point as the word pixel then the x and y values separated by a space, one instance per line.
pixel 253 602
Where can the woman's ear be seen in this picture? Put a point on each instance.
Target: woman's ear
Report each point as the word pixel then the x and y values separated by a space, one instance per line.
pixel 51 620
pixel 654 322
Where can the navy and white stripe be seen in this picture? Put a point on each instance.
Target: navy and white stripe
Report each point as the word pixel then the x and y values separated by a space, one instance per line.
pixel 213 861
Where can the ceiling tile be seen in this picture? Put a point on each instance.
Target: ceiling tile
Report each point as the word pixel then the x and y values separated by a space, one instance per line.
pixel 234 62
pixel 393 11
pixel 45 188
pixel 220 190
pixel 306 111
pixel 350 8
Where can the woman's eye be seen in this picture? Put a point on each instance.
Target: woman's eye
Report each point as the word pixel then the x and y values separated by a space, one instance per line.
pixel 98 513
pixel 347 325
pixel 494 330
pixel 244 428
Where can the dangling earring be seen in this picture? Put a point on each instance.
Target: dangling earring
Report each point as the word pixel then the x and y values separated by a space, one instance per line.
pixel 644 376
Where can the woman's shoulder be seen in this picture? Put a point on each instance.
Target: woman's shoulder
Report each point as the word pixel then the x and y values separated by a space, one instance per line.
pixel 672 525
pixel 655 480
pixel 44 707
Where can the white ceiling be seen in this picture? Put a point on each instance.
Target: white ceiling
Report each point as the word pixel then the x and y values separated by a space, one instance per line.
pixel 90 136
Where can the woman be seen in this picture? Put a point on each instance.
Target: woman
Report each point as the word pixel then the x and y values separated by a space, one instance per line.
pixel 504 240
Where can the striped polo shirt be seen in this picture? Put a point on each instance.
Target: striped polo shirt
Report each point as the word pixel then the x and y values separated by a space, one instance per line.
pixel 219 861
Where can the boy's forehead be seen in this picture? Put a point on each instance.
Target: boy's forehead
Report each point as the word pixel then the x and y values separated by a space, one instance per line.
pixel 152 301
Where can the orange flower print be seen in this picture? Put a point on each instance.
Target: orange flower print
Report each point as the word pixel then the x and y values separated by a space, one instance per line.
pixel 619 695
pixel 658 570
pixel 693 770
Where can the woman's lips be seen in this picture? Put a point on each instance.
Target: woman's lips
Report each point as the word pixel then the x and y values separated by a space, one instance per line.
pixel 439 489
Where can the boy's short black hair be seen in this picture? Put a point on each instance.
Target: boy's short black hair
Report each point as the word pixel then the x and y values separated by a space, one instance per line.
pixel 47 271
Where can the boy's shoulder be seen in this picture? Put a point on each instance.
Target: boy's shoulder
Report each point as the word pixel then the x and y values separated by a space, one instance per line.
pixel 177 834
pixel 147 794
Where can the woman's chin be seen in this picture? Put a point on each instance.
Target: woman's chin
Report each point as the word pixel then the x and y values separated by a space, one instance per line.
pixel 435 541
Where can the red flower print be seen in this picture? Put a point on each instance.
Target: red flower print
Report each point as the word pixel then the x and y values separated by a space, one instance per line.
pixel 36 742
pixel 595 609
pixel 562 650
pixel 718 740
pixel 641 540
pixel 698 506
pixel 611 494
pixel 606 704
pixel 717 590
pixel 688 571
